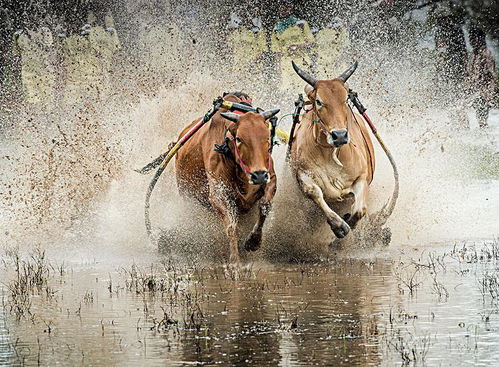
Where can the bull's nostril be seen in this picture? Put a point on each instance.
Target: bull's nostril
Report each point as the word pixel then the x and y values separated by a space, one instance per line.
pixel 259 177
pixel 339 136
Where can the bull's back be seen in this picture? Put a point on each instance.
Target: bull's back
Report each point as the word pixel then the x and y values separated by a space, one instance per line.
pixel 197 155
pixel 190 164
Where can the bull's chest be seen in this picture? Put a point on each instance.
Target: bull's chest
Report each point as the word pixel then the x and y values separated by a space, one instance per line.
pixel 245 196
pixel 333 181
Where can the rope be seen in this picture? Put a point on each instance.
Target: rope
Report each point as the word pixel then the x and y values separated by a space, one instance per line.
pixel 297 114
pixel 388 208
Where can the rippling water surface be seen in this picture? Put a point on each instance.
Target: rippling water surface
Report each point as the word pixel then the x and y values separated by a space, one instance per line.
pixel 437 308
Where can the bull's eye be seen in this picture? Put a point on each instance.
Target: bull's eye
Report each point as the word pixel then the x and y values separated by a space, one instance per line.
pixel 238 140
pixel 319 103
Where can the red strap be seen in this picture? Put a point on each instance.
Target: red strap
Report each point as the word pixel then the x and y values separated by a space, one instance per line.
pixel 247 100
pixel 243 165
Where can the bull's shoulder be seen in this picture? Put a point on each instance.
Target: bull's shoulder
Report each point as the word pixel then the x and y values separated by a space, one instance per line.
pixel 217 120
pixel 210 133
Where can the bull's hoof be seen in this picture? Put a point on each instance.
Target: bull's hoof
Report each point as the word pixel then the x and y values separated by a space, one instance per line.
pixel 253 242
pixel 342 230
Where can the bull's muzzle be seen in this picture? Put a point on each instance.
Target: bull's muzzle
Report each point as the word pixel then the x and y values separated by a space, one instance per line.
pixel 259 177
pixel 338 138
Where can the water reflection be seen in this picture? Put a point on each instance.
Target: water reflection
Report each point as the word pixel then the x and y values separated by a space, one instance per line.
pixel 348 312
pixel 5 342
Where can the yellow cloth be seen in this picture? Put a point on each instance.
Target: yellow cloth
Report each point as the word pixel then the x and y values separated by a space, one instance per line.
pixel 161 47
pixel 88 63
pixel 289 45
pixel 247 47
pixel 331 44
pixel 35 49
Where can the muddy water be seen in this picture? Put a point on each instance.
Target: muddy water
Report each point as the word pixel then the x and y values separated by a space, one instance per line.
pixel 434 308
pixel 103 297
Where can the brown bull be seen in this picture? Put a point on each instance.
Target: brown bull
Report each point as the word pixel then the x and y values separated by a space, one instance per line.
pixel 230 183
pixel 332 154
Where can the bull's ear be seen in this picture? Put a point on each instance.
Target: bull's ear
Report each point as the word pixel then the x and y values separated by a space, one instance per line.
pixel 230 116
pixel 270 113
pixel 311 94
pixel 308 89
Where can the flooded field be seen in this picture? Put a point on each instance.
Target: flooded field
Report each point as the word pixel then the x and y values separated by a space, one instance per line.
pixel 417 307
pixel 87 99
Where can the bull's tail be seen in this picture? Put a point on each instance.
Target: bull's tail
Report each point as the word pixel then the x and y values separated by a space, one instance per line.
pixel 388 208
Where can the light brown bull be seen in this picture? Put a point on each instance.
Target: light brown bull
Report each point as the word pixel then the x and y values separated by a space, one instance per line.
pixel 332 154
pixel 233 183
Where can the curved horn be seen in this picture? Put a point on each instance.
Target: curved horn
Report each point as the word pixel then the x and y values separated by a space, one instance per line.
pixel 270 113
pixel 304 75
pixel 230 116
pixel 348 72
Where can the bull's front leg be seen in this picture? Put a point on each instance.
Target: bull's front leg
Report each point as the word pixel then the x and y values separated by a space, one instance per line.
pixel 314 192
pixel 254 240
pixel 222 203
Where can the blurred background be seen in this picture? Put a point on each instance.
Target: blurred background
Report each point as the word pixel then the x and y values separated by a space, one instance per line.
pixel 59 51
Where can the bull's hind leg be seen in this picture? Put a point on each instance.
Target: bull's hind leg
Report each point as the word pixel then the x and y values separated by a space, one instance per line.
pixel 360 189
pixel 314 192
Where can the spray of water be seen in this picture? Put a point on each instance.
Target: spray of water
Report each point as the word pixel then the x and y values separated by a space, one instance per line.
pixel 68 180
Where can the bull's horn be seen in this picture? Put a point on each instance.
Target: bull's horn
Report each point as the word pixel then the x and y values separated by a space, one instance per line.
pixel 270 113
pixel 304 75
pixel 230 116
pixel 348 72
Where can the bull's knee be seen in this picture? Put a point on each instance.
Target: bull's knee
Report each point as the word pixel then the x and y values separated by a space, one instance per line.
pixel 231 230
pixel 233 242
pixel 310 191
